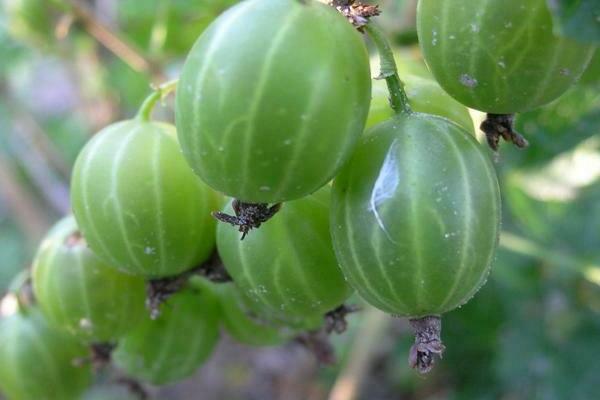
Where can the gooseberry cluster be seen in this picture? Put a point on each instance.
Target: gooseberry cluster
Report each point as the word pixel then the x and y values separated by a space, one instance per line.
pixel 271 107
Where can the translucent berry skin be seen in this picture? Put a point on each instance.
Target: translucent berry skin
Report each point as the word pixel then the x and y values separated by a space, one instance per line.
pixel 79 292
pixel 37 359
pixel 139 206
pixel 500 57
pixel 415 216
pixel 287 267
pixel 272 99
pixel 176 344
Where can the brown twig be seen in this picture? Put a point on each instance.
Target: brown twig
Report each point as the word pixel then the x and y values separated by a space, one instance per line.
pixel 37 155
pixel 114 43
pixel 318 343
pixel 54 189
pixel 25 211
pixel 364 348
pixel 35 136
pixel 135 387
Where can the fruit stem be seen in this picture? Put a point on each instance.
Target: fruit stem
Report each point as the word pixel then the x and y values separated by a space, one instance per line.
pixel 389 72
pixel 159 93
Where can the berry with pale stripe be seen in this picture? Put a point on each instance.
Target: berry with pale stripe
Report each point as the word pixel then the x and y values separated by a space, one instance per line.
pixel 37 361
pixel 139 205
pixel 175 344
pixel 415 216
pixel 272 99
pixel 79 292
pixel 287 267
pixel 501 57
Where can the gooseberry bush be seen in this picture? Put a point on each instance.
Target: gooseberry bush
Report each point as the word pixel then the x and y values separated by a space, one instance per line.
pixel 299 173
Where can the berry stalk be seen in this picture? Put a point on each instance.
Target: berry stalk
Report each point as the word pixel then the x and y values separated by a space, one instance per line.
pixel 159 93
pixel 389 72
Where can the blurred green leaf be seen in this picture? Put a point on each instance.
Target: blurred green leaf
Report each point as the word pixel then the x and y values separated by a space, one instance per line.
pixel 31 21
pixel 592 73
pixel 557 127
pixel 561 215
pixel 548 346
pixel 471 335
pixel 68 135
pixel 167 28
pixel 130 88
pixel 577 19
pixel 10 51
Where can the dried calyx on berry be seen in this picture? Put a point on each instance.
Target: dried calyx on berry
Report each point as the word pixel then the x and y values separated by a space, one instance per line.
pixel 248 216
pixel 357 13
pixel 497 126
pixel 160 290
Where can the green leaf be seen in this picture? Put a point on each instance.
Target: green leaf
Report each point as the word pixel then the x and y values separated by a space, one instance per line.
pixel 557 128
pixel 577 19
pixel 592 75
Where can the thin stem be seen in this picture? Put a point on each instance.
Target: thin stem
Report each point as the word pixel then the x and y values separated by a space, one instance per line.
pixel 158 94
pixel 389 72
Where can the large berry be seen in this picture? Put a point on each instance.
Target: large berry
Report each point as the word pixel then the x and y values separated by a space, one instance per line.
pixel 173 346
pixel 273 98
pixel 80 293
pixel 38 361
pixel 288 266
pixel 139 206
pixel 416 216
pixel 497 56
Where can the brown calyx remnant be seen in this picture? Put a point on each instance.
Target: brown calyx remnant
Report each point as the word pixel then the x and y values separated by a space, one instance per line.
pixel 317 342
pixel 25 294
pixel 358 14
pixel 248 216
pixel 428 343
pixel 75 239
pixel 100 355
pixel 498 126
pixel 159 290
pixel 335 320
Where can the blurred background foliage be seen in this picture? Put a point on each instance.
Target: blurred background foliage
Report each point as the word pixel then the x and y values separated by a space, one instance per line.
pixel 68 67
